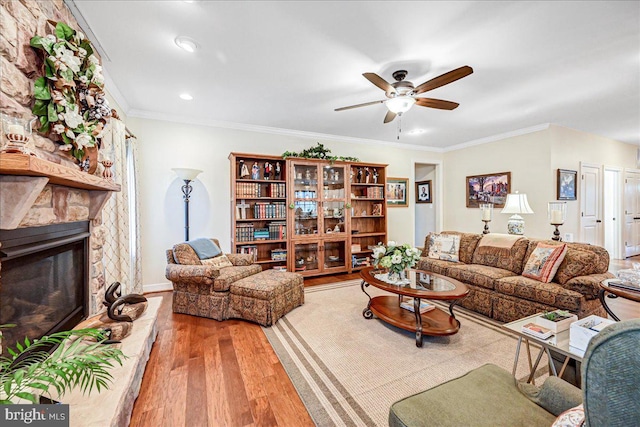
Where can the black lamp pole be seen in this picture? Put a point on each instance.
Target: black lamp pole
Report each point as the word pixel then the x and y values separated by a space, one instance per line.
pixel 186 191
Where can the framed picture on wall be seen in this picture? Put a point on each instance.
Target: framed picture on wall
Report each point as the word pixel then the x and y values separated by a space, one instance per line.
pixel 397 195
pixel 489 188
pixel 567 184
pixel 423 192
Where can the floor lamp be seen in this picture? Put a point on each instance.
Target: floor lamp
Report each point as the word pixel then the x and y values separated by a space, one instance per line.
pixel 187 175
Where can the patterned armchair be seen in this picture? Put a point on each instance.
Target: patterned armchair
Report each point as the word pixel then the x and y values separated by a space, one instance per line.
pixel 490 396
pixel 203 290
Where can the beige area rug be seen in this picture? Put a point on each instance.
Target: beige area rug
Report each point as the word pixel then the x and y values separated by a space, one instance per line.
pixel 348 370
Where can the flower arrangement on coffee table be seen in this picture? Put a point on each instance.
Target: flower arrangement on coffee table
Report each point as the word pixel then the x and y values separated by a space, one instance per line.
pixel 69 98
pixel 395 259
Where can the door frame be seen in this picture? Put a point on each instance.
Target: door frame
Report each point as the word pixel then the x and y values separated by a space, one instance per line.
pixel 437 191
pixel 618 209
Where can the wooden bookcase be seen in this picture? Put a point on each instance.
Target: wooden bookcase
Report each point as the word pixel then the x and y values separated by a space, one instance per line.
pixel 259 208
pixel 313 217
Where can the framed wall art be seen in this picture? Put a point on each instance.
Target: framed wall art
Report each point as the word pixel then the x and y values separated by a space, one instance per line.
pixel 397 195
pixel 489 188
pixel 423 192
pixel 567 184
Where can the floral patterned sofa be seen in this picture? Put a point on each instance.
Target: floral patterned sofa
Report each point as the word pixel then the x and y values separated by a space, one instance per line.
pixel 240 291
pixel 498 290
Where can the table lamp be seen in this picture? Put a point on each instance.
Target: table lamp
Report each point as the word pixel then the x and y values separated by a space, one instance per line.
pixel 516 204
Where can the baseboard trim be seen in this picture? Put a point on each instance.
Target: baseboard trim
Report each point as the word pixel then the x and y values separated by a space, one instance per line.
pixel 157 287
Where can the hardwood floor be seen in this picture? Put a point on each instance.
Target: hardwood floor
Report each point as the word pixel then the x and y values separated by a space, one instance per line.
pixel 202 372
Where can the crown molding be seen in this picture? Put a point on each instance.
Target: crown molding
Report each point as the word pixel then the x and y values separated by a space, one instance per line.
pixel 498 137
pixel 144 114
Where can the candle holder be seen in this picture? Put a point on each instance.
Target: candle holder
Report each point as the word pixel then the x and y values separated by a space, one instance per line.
pixel 486 211
pixel 17 131
pixel 557 213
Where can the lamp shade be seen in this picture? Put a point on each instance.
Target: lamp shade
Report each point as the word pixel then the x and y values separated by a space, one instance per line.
pixel 400 104
pixel 517 204
pixel 187 174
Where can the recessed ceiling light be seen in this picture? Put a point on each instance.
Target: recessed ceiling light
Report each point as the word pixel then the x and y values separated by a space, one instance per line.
pixel 187 43
pixel 416 131
pixel 186 96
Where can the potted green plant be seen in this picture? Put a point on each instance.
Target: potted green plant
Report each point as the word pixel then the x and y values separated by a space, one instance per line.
pixel 33 369
pixel 556 320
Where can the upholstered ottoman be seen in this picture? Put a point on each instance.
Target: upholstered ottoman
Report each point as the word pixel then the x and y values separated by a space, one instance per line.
pixel 265 297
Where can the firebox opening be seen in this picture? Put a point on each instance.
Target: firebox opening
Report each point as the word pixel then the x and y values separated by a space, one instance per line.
pixel 43 279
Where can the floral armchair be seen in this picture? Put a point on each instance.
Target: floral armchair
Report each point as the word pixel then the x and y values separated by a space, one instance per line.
pixel 203 290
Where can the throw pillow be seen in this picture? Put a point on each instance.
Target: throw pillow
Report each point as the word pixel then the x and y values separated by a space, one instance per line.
pixel 218 262
pixel 573 417
pixel 544 262
pixel 445 247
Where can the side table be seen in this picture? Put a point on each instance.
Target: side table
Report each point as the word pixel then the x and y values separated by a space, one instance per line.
pixel 605 286
pixel 558 343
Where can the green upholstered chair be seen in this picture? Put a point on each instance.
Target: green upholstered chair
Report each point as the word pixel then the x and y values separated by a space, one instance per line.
pixel 491 396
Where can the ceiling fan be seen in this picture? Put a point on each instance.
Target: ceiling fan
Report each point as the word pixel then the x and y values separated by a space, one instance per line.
pixel 402 94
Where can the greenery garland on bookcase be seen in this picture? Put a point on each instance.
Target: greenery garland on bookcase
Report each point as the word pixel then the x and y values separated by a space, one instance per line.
pixel 319 151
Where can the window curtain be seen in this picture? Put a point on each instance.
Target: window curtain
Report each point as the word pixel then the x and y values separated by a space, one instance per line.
pixel 120 216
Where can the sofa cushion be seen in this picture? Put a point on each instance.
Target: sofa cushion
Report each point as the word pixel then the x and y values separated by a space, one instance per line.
pixel 582 260
pixel 504 258
pixel 228 275
pixel 434 265
pixel 444 246
pixel 544 261
pixel 479 275
pixel 468 243
pixel 551 294
pixel 589 286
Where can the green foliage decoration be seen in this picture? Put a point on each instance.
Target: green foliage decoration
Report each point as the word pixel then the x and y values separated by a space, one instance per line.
pixel 31 370
pixel 319 151
pixel 69 98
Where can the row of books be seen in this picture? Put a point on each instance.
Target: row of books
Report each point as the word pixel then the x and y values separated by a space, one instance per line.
pixel 277 230
pixel 255 189
pixel 264 210
pixel 244 233
pixel 361 261
pixel 248 249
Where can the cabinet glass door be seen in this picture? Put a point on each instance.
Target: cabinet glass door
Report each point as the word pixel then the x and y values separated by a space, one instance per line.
pixel 306 257
pixel 305 194
pixel 333 199
pixel 334 254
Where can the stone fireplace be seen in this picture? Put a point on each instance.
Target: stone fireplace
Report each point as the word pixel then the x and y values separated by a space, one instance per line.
pixel 51 244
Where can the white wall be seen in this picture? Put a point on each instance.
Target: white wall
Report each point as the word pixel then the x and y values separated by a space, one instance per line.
pixel 426 213
pixel 533 160
pixel 165 145
pixel 571 147
pixel 527 157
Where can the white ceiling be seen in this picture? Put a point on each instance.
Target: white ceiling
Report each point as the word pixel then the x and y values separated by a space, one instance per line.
pixel 289 64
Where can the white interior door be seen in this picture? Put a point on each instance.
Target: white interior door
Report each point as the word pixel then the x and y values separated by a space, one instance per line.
pixel 590 197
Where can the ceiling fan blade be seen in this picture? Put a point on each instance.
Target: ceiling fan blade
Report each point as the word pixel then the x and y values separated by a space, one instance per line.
pixel 359 105
pixel 379 81
pixel 389 117
pixel 444 79
pixel 437 103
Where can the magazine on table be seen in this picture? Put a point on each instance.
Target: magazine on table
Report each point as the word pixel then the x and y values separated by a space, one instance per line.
pixel 537 331
pixel 407 304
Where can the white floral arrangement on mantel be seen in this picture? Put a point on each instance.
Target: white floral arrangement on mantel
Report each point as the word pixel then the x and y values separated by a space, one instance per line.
pixel 396 259
pixel 69 98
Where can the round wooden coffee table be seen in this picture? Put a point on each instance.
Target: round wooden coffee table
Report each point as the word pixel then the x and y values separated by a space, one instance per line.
pixel 606 286
pixel 423 285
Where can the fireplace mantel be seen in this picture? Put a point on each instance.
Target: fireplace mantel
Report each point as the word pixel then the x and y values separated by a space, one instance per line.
pixel 23 177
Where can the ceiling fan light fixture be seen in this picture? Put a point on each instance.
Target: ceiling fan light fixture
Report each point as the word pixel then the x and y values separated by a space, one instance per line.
pixel 400 104
pixel 187 43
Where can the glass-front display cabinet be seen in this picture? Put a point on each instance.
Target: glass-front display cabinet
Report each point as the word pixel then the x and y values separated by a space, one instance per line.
pixel 318 212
